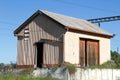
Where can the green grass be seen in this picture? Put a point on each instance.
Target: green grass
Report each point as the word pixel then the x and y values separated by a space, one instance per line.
pixel 25 74
pixel 9 76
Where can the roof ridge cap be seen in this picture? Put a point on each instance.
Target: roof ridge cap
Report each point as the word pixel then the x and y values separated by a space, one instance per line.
pixel 44 11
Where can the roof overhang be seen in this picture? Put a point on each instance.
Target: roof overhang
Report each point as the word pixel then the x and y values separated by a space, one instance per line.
pixel 89 33
pixel 48 41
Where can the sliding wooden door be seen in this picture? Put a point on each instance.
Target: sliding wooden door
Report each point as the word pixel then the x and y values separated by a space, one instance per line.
pixel 92 52
pixel 89 52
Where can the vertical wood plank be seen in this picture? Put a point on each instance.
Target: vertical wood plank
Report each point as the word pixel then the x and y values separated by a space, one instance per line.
pixel 82 52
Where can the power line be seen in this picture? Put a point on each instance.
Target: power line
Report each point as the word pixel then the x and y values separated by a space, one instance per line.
pixel 85 6
pixel 6 29
pixel 3 28
pixel 8 23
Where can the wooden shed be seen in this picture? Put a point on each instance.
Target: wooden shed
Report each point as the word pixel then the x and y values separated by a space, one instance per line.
pixel 49 39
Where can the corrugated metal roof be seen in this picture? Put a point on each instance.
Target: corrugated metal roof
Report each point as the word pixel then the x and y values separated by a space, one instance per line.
pixel 75 23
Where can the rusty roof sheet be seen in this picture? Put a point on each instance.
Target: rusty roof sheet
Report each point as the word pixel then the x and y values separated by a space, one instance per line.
pixel 75 23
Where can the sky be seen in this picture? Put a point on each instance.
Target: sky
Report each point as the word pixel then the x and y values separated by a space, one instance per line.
pixel 14 12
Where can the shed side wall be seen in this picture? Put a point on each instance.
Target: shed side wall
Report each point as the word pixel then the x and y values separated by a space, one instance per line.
pixel 72 47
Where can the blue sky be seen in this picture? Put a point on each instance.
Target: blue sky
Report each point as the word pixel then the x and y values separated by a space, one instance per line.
pixel 14 12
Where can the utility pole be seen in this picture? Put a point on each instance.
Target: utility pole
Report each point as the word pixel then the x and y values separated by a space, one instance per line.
pixel 117 49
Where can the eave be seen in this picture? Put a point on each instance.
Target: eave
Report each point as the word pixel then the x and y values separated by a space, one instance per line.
pixel 89 33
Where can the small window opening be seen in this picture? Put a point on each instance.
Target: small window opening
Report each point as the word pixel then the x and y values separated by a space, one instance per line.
pixel 26 34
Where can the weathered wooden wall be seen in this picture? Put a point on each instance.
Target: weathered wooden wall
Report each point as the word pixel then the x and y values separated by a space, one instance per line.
pixel 53 53
pixel 41 27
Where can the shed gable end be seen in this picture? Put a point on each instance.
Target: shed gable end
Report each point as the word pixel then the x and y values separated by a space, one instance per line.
pixel 44 24
pixel 41 27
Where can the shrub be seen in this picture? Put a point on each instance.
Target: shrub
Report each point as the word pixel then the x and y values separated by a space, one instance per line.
pixel 8 67
pixel 107 65
pixel 1 66
pixel 115 56
pixel 71 68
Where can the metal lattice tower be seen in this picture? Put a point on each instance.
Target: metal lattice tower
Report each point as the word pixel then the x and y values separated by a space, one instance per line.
pixel 105 19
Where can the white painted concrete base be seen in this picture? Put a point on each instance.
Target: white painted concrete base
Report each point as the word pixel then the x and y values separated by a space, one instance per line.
pixel 96 74
pixel 81 74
